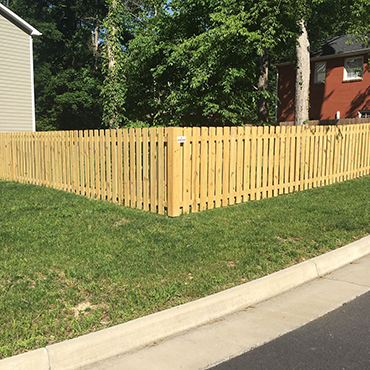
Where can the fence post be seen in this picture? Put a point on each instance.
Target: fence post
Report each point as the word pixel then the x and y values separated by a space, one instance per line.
pixel 174 172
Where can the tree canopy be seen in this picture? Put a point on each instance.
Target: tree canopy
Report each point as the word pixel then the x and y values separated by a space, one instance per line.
pixel 110 63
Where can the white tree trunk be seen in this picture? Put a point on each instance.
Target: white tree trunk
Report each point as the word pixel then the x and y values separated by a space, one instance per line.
pixel 111 38
pixel 263 83
pixel 302 83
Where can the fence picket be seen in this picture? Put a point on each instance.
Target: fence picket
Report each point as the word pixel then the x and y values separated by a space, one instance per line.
pixel 211 167
pixel 218 167
pixel 232 166
pixel 161 170
pixel 253 183
pixel 97 193
pixel 195 170
pixel 114 166
pixel 247 164
pixel 126 168
pixel 265 160
pixel 203 168
pixel 153 169
pixel 226 168
pixel 145 170
pixel 138 165
pixel 271 162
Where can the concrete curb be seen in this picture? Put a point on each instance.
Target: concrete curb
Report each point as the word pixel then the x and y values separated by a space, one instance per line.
pixel 95 347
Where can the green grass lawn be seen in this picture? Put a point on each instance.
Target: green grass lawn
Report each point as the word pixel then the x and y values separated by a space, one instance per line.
pixel 70 265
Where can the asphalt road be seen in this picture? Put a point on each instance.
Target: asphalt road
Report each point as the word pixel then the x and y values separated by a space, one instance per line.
pixel 337 341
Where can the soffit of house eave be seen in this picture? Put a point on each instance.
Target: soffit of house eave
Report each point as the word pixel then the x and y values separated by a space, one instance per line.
pixel 18 21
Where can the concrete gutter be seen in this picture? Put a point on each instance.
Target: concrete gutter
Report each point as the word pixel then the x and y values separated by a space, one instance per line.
pixel 99 346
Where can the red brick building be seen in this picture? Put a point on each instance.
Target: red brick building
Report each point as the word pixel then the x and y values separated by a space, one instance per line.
pixel 339 83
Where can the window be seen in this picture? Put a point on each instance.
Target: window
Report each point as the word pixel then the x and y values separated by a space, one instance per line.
pixel 353 68
pixel 364 114
pixel 320 72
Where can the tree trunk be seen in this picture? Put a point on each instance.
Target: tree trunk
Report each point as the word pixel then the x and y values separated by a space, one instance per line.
pixel 111 39
pixel 302 83
pixel 263 82
pixel 95 39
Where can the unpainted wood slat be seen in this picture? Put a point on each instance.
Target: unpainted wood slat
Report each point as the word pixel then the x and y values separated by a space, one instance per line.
pixel 239 165
pixel 203 183
pixel 351 151
pixel 282 160
pixel 161 170
pixel 53 161
pixel 91 156
pixel 153 169
pixel 120 166
pixel 360 171
pixel 187 162
pixel 304 158
pixel 342 160
pixel 81 164
pixel 84 162
pixel 195 170
pixel 232 166
pixel 132 168
pixel 211 167
pixel 336 154
pixel 139 173
pixel 253 183
pixel 108 164
pixel 145 140
pixel 288 149
pixel 218 167
pixel 329 156
pixel 271 162
pixel 114 166
pixel 67 161
pixel 126 167
pixel 276 161
pixel 367 149
pixel 297 156
pixel 103 176
pixel 226 167
pixel 265 161
pixel 311 159
pixel 259 162
pixel 357 151
pixel 247 163
pixel 320 154
pixel 58 162
pixel 97 193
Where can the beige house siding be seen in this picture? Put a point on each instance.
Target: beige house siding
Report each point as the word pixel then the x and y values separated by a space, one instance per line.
pixel 16 85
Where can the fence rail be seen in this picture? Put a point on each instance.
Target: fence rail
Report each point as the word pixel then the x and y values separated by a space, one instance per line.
pixel 187 169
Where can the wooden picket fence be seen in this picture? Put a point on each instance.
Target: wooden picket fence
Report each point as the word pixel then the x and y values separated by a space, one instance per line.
pixel 181 170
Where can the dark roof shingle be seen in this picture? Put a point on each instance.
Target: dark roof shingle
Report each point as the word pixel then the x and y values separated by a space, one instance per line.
pixel 339 45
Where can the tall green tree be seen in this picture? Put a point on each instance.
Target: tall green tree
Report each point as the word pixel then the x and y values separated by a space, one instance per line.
pixel 205 62
pixel 68 75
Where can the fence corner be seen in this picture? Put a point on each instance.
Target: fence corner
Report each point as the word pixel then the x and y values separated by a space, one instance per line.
pixel 174 173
